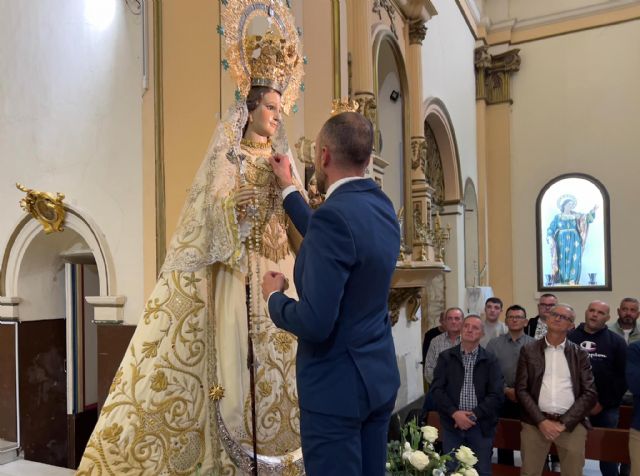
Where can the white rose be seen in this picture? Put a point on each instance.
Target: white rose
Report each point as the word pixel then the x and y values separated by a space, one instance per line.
pixel 407 446
pixel 438 472
pixel 466 456
pixel 456 474
pixel 429 433
pixel 470 472
pixel 419 460
pixel 388 466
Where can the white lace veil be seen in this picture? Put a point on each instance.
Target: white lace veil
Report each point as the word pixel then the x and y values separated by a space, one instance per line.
pixel 207 230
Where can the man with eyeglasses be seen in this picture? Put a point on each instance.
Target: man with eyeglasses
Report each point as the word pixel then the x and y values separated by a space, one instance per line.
pixel 506 348
pixel 607 354
pixel 556 389
pixel 537 326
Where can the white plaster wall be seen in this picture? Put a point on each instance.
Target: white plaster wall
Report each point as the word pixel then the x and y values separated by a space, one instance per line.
pixel 408 343
pixel 577 109
pixel 448 74
pixel 70 121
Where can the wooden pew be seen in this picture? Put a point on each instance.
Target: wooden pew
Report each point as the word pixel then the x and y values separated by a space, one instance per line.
pixel 603 444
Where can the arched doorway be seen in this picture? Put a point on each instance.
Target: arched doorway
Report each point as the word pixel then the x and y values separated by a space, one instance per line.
pixel 47 278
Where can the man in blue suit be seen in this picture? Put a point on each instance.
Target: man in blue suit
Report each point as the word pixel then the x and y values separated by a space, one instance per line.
pixel 347 374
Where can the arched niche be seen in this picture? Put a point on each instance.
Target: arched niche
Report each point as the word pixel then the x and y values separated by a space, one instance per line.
pixel 471 250
pixel 392 128
pixel 438 120
pixel 28 229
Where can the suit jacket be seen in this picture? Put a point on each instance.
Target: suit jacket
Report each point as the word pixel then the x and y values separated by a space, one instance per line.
pixel 487 382
pixel 530 328
pixel 531 367
pixel 343 275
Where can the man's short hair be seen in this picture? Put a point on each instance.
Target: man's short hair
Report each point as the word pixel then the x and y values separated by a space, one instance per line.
pixel 349 138
pixel 630 299
pixel 516 307
pixel 446 313
pixel 566 306
pixel 548 295
pixel 494 300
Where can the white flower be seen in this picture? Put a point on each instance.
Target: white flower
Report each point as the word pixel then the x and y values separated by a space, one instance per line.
pixel 429 433
pixel 438 472
pixel 407 451
pixel 466 456
pixel 418 460
pixel 388 466
pixel 456 474
pixel 470 472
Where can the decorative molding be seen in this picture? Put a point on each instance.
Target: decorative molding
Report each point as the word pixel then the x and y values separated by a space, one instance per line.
pixel 398 297
pixel 336 42
pixel 107 309
pixel 493 74
pixel 9 307
pixel 418 153
pixel 417 32
pixel 387 5
pixel 45 207
pixel 513 31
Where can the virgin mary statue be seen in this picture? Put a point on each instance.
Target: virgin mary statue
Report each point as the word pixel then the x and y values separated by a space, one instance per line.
pixel 207 385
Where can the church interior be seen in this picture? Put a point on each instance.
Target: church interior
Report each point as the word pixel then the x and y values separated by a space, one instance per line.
pixel 479 108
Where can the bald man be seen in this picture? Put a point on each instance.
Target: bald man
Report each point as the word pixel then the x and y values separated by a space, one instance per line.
pixel 607 353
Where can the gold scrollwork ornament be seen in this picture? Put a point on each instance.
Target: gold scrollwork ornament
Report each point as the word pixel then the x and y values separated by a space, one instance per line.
pixel 45 207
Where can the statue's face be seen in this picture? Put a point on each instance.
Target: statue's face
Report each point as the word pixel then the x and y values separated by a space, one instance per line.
pixel 265 119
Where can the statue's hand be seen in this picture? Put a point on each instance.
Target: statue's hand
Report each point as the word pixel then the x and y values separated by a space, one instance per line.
pixel 244 195
pixel 281 169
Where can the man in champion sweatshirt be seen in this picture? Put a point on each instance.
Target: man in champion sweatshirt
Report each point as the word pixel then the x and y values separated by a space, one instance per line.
pixel 607 353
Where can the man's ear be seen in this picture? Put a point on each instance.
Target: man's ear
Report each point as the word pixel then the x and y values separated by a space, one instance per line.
pixel 325 157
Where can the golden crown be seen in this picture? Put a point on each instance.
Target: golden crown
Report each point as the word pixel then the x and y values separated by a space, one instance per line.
pixel 271 60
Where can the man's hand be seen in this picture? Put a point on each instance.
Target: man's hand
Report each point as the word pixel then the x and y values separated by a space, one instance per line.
pixel 510 393
pixel 281 169
pixel 273 281
pixel 551 429
pixel 462 419
pixel 597 408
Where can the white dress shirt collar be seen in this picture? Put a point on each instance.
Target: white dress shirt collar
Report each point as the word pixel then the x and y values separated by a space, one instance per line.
pixel 337 183
pixel 559 346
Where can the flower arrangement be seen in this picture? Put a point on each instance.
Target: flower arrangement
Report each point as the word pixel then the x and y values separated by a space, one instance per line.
pixel 415 455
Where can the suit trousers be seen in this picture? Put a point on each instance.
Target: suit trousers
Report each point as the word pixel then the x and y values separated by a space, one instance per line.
pixel 535 447
pixel 634 451
pixel 343 446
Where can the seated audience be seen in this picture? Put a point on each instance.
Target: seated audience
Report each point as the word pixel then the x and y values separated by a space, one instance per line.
pixel 468 391
pixel 506 348
pixel 555 386
pixel 607 353
pixel 493 327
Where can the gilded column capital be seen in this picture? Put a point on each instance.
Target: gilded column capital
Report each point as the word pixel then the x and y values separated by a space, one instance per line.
pixel 417 31
pixel 493 74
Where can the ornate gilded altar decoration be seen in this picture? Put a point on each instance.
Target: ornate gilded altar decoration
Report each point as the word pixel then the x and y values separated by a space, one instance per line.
pixel 418 153
pixel 45 207
pixel 421 232
pixel 439 237
pixel 399 296
pixel 433 171
pixel 344 105
pixel 367 106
